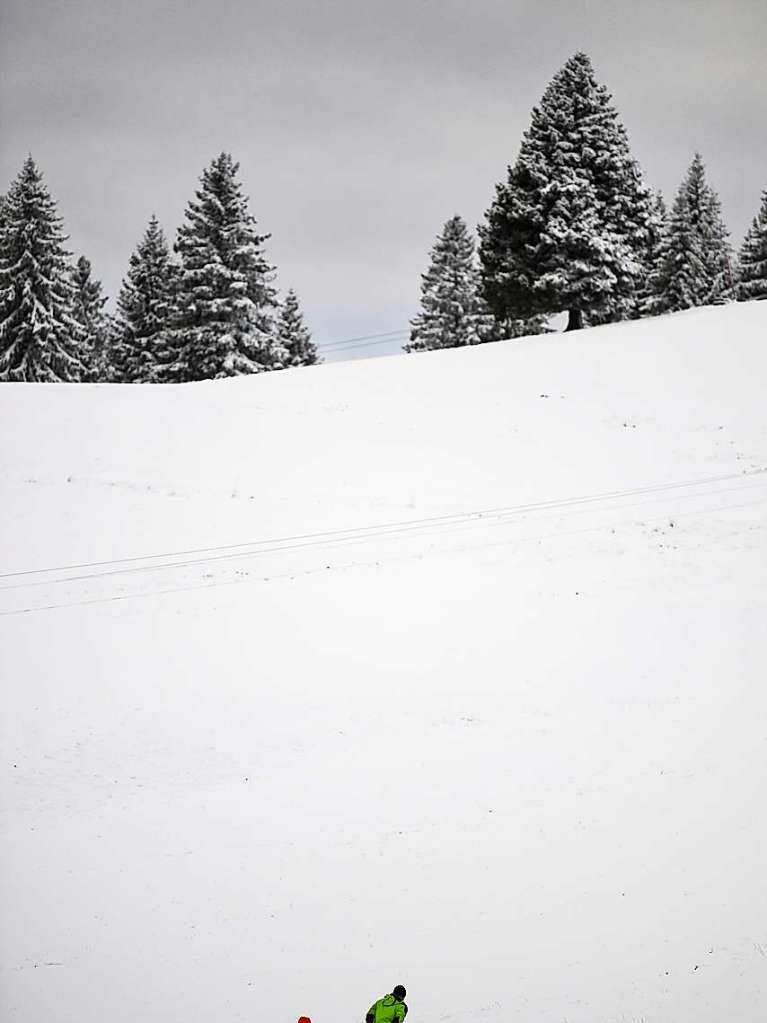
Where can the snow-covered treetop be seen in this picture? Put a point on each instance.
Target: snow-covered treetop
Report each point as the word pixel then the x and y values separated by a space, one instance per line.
pixel 40 338
pixel 224 299
pixel 571 225
pixel 293 336
pixel 452 311
pixel 221 251
pixel 752 273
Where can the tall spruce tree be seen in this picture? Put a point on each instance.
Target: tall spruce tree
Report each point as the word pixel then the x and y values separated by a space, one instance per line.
pixel 89 312
pixel 223 320
pixel 752 261
pixel 694 264
pixel 292 335
pixel 681 279
pixel 569 229
pixel 706 218
pixel 143 310
pixel 452 311
pixel 40 337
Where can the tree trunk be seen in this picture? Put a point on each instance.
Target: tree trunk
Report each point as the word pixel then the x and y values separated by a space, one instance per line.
pixel 574 319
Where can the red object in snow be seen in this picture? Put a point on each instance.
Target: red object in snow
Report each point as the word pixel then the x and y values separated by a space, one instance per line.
pixel 304 1019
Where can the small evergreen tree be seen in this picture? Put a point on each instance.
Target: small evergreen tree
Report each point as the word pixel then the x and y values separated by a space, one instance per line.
pixel 681 280
pixel 223 319
pixel 452 312
pixel 40 337
pixel 143 310
pixel 706 219
pixel 293 335
pixel 694 263
pixel 568 230
pixel 752 262
pixel 89 312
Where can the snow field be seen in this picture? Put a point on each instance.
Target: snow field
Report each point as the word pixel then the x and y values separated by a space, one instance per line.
pixel 515 761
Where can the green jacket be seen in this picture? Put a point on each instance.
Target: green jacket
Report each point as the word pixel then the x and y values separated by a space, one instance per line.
pixel 386 1010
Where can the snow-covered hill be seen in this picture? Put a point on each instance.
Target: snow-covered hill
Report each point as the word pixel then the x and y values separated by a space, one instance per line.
pixel 445 670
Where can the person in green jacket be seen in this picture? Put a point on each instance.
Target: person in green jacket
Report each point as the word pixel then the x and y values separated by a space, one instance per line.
pixel 389 1009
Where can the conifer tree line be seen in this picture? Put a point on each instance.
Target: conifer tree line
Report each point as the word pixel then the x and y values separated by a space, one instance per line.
pixel 206 309
pixel 574 229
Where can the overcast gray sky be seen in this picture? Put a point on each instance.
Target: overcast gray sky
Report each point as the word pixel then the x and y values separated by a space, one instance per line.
pixel 360 126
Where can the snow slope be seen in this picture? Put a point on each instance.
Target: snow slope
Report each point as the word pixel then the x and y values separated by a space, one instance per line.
pixel 476 703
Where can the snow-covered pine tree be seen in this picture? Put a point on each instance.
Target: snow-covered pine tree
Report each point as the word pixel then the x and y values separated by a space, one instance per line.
pixel 752 263
pixel 223 320
pixel 706 219
pixel 143 310
pixel 293 335
pixel 452 312
pixel 694 264
pixel 40 338
pixel 681 279
pixel 569 228
pixel 89 312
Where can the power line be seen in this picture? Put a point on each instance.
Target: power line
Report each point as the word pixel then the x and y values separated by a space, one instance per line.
pixel 364 347
pixel 364 337
pixel 252 548
pixel 368 344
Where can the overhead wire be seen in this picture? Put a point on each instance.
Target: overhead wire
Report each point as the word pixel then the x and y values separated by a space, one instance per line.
pixel 369 344
pixel 363 341
pixel 363 337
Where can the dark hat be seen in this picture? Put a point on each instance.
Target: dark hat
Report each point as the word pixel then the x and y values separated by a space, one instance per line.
pixel 399 992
